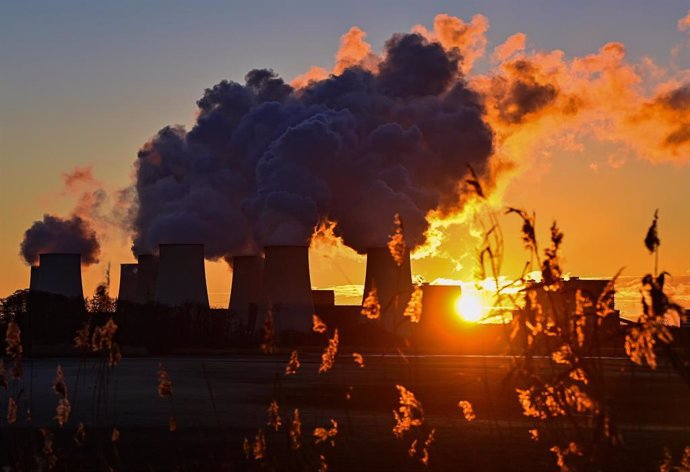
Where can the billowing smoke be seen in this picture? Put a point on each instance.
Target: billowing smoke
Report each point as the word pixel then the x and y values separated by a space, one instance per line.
pixel 266 163
pixel 54 234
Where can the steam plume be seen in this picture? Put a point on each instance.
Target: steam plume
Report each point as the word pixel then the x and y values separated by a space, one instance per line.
pixel 54 234
pixel 266 163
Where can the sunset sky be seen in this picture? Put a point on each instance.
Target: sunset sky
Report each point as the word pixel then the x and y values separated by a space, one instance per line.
pixel 84 85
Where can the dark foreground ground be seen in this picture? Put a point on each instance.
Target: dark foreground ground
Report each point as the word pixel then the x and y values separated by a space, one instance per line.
pixel 217 402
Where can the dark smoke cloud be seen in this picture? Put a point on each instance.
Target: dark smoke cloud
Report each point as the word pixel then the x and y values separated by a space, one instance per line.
pixel 524 95
pixel 675 104
pixel 265 164
pixel 54 234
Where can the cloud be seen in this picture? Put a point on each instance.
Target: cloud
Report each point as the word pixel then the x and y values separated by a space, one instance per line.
pixel 55 234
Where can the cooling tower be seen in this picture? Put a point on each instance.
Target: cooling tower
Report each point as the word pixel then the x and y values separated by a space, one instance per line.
pixel 128 283
pixel 34 282
pixel 247 288
pixel 287 287
pixel 60 274
pixel 393 284
pixel 181 275
pixel 147 273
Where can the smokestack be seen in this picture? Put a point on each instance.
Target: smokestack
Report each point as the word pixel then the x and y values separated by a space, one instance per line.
pixel 128 283
pixel 60 274
pixel 247 287
pixel 181 275
pixel 34 282
pixel 147 273
pixel 287 287
pixel 393 284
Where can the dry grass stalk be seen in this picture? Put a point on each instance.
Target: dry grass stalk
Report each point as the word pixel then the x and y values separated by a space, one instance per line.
pixel 323 465
pixel 268 345
pixel 328 356
pixel 326 434
pixel 13 339
pixel 295 430
pixel 59 386
pixel 82 337
pixel 47 450
pixel 11 411
pixel 396 241
pixel 103 336
pixel 62 411
pixel 424 453
pixel 467 410
pixel 565 456
pixel 14 349
pixel 258 448
pixel 318 326
pixel 164 383
pixel 3 379
pixel 371 308
pixel 413 310
pixel 293 364
pixel 274 419
pixel 80 435
pixel 358 359
pixel 409 414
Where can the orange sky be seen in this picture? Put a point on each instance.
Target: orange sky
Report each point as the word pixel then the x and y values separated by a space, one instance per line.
pixel 605 143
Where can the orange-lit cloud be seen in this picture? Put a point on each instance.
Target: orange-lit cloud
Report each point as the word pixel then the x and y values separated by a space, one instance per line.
pixel 452 32
pixel 513 44
pixel 541 101
pixel 684 23
pixel 354 51
pixel 79 177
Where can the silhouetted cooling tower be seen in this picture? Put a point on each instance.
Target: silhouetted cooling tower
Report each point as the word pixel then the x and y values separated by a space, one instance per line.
pixel 147 273
pixel 287 287
pixel 128 283
pixel 181 275
pixel 393 284
pixel 247 288
pixel 60 274
pixel 34 282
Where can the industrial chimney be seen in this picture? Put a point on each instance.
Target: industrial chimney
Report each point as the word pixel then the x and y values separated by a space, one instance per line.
pixel 393 284
pixel 59 274
pixel 147 273
pixel 181 275
pixel 287 287
pixel 34 282
pixel 128 283
pixel 247 288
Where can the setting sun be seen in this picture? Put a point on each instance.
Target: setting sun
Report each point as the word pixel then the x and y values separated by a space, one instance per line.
pixel 469 307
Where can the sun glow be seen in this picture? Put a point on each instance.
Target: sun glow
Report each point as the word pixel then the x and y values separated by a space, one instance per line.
pixel 469 307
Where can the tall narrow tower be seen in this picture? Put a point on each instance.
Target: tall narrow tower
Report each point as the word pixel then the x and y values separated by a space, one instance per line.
pixel 128 283
pixel 147 273
pixel 393 284
pixel 181 275
pixel 287 287
pixel 247 288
